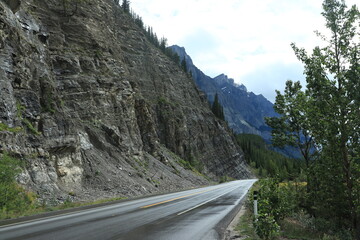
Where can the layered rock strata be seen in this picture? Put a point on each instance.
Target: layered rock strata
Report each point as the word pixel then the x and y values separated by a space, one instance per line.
pixel 94 110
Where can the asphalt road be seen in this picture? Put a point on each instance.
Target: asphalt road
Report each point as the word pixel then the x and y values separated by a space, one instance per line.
pixel 193 214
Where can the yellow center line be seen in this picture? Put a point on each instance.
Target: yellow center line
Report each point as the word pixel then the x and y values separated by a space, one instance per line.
pixel 173 199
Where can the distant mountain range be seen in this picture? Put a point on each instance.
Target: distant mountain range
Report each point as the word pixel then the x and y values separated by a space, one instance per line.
pixel 244 111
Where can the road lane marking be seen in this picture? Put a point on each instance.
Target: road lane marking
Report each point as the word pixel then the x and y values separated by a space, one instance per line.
pixel 173 199
pixel 80 212
pixel 203 203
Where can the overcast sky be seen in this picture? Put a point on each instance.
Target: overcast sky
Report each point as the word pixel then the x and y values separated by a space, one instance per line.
pixel 248 40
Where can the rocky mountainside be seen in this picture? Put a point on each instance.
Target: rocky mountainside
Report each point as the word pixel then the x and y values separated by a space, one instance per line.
pixel 243 110
pixel 94 110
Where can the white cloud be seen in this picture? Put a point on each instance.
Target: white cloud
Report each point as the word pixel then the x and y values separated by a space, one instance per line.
pixel 240 38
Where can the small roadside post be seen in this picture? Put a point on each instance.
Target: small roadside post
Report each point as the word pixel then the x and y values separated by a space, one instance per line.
pixel 255 205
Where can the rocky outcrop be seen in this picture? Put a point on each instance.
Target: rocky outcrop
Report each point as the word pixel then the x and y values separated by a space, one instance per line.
pixel 97 111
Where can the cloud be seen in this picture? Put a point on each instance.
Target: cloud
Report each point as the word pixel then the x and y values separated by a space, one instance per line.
pixel 272 77
pixel 245 39
pixel 200 41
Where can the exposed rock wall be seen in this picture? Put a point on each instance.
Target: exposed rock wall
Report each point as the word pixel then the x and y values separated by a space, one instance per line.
pixel 102 111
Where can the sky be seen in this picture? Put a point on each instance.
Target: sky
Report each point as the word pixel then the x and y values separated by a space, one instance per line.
pixel 248 40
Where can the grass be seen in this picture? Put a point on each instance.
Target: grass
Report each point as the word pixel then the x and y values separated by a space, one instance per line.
pixel 289 229
pixel 293 229
pixel 165 101
pixel 195 166
pixel 226 178
pixel 20 108
pixel 4 127
pixel 30 127
pixel 245 227
pixel 66 205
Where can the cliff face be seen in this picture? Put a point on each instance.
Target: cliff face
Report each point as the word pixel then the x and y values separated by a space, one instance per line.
pixel 93 109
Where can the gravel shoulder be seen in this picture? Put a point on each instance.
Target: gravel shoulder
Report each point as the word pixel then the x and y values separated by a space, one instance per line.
pixel 231 233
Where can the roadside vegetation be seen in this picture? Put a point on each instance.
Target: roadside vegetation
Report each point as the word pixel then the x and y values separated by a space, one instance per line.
pixel 280 215
pixel 15 201
pixel 322 121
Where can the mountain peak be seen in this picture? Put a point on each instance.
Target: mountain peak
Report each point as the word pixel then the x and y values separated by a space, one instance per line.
pixel 222 78
pixel 178 47
pixel 182 54
pixel 244 111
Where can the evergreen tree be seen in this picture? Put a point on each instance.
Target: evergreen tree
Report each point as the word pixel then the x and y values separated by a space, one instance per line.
pixel 173 55
pixel 217 109
pixel 267 162
pixel 163 43
pixel 184 65
pixel 137 20
pixel 126 6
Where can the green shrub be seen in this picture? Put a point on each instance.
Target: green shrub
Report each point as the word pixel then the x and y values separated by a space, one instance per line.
pixel 30 126
pixel 276 199
pixel 275 202
pixel 266 227
pixel 4 127
pixel 20 108
pixel 225 179
pixel 9 168
pixel 14 200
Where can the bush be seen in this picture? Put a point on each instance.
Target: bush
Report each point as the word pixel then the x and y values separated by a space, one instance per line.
pixel 14 200
pixel 266 226
pixel 278 201
pixel 9 168
pixel 275 202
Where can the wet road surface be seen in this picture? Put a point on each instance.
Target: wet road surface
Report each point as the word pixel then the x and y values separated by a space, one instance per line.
pixel 193 214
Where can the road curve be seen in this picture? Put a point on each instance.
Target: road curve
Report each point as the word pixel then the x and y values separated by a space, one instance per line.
pixel 192 214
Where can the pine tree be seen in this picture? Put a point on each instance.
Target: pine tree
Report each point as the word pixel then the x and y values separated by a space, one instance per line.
pixel 217 109
pixel 184 65
pixel 173 55
pixel 163 44
pixel 126 6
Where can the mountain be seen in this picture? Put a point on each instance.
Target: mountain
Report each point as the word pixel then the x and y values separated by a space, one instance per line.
pixel 93 109
pixel 244 111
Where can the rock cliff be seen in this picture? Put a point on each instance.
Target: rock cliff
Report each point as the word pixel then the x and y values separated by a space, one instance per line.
pixel 94 110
